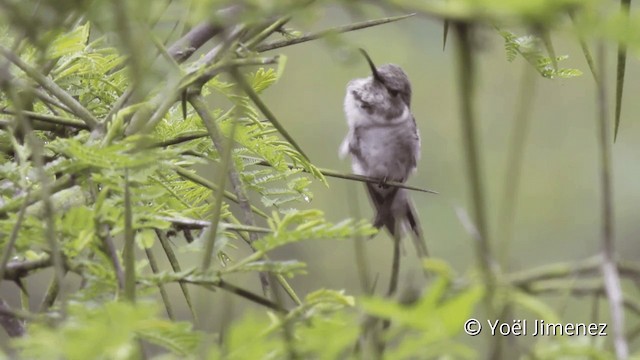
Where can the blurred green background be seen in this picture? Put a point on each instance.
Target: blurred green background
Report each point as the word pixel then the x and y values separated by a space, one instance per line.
pixel 558 212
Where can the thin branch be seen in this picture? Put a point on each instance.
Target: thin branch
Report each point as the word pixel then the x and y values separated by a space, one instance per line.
pixel 50 296
pixel 621 67
pixel 13 325
pixel 8 249
pixel 15 270
pixel 194 135
pixel 51 119
pixel 183 48
pixel 472 152
pixel 514 161
pixel 559 270
pixel 609 271
pixel 585 51
pixel 238 291
pixel 583 288
pixel 163 292
pixel 225 156
pixel 273 27
pixel 323 33
pixel 335 174
pixel 112 253
pixel 129 244
pixel 175 265
pixel 184 223
pixel 46 191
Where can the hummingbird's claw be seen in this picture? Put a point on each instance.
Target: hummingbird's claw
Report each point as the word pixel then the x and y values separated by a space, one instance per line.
pixel 383 183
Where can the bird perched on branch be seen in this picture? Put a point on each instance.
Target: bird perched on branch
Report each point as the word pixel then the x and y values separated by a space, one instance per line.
pixel 384 144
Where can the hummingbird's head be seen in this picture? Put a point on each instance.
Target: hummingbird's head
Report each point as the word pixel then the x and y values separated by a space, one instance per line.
pixel 384 97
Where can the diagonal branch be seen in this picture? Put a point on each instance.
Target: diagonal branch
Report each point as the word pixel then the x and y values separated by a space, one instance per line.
pixel 326 32
pixel 610 273
pixel 199 105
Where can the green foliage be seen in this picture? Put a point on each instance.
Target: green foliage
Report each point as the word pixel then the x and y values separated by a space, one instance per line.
pixel 109 331
pixel 530 47
pixel 309 224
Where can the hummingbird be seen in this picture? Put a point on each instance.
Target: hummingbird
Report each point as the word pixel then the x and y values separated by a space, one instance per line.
pixel 384 143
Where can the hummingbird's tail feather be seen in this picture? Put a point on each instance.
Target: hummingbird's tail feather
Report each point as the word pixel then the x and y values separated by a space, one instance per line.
pixel 416 231
pixel 382 203
pixel 388 216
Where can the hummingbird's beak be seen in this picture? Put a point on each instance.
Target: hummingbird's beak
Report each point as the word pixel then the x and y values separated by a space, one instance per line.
pixel 374 70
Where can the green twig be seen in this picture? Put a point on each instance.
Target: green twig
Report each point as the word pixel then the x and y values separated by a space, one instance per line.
pixel 445 33
pixel 472 151
pixel 609 271
pixel 184 223
pixel 129 244
pixel 323 33
pixel 335 174
pixel 50 296
pixel 621 67
pixel 366 179
pixel 250 44
pixel 163 292
pixel 199 105
pixel 175 265
pixel 52 119
pixel 8 249
pixel 586 52
pixel 514 162
pixel 238 291
pixel 37 151
pixel 225 157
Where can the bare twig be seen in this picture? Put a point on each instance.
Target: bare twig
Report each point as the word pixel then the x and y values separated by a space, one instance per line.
pixel 163 292
pixel 8 249
pixel 110 248
pixel 514 161
pixel 182 49
pixel 52 119
pixel 175 265
pixel 609 270
pixel 129 246
pixel 366 179
pixel 238 291
pixel 16 270
pixel 184 223
pixel 472 151
pixel 622 63
pixel 13 325
pixel 323 33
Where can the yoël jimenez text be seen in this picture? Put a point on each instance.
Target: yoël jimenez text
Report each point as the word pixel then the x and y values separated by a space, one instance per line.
pixel 541 328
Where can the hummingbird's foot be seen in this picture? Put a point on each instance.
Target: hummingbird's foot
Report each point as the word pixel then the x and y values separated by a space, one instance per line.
pixel 383 183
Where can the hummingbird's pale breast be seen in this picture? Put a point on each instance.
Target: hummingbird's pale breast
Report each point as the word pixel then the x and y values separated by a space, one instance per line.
pixel 383 139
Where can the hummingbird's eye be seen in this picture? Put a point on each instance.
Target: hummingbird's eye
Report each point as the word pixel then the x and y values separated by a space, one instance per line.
pixel 393 93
